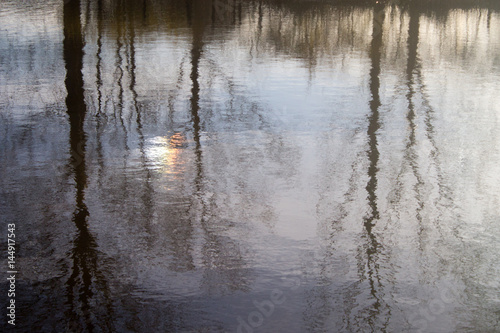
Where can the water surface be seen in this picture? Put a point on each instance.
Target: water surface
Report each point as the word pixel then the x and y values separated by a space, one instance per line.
pixel 251 166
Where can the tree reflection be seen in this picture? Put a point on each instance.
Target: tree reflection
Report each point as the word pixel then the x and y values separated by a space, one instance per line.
pixel 338 301
pixel 379 313
pixel 410 154
pixel 222 261
pixel 85 280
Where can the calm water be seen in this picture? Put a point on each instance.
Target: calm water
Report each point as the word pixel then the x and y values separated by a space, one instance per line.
pixel 250 166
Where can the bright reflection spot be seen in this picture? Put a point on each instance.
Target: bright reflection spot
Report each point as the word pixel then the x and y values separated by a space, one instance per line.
pixel 163 153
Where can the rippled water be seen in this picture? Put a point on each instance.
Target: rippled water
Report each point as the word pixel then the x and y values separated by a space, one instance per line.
pixel 251 166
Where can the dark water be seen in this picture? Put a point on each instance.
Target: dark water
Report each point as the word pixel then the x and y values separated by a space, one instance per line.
pixel 251 166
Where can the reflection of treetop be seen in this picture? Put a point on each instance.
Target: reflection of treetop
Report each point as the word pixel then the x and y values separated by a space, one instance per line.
pixel 304 31
pixel 297 27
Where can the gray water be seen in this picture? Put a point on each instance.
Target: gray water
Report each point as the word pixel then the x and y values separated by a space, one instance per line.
pixel 251 166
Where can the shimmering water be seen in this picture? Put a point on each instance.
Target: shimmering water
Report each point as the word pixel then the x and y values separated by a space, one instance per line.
pixel 251 166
